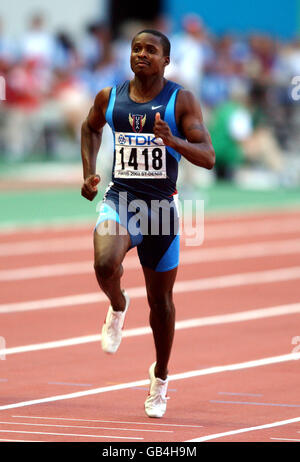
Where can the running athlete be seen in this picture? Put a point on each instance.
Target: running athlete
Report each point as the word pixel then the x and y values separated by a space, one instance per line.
pixel 154 121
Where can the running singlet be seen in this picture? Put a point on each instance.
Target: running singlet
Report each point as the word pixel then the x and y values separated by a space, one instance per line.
pixel 142 164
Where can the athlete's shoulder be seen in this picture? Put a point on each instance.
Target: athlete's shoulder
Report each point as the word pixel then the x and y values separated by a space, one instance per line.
pixel 187 105
pixel 186 98
pixel 102 98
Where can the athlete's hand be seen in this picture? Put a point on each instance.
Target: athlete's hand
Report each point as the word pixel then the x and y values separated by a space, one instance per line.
pixel 89 188
pixel 162 130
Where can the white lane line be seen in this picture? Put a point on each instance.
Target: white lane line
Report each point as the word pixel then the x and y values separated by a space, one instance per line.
pixel 52 226
pixel 70 384
pixel 73 434
pixel 284 439
pixel 195 285
pixel 47 271
pixel 248 315
pixel 21 441
pixel 106 421
pixel 238 394
pixel 252 228
pixel 46 246
pixel 252 403
pixel 244 430
pixel 79 426
pixel 212 232
pixel 234 252
pixel 180 376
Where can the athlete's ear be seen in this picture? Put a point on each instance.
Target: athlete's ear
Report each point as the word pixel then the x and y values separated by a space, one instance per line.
pixel 167 60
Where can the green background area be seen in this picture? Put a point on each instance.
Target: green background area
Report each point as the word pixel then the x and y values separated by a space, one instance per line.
pixel 60 205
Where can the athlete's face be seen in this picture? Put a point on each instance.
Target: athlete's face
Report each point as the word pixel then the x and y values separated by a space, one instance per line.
pixel 147 55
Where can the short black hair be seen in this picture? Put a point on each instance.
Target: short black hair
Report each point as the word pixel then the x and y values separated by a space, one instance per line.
pixel 163 39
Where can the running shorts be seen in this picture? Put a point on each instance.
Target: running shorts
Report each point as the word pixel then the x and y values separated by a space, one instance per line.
pixel 153 226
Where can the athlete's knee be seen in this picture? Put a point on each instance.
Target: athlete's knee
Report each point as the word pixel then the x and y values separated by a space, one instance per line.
pixel 106 267
pixel 161 302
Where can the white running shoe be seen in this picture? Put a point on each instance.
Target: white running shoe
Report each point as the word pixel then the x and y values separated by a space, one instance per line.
pixel 156 403
pixel 111 335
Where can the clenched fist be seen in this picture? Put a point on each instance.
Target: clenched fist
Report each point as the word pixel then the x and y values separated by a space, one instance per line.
pixel 89 188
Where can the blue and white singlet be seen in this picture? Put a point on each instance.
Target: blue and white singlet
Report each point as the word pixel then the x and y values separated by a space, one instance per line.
pixel 145 170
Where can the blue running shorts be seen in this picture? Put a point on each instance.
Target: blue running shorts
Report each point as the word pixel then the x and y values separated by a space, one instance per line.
pixel 153 226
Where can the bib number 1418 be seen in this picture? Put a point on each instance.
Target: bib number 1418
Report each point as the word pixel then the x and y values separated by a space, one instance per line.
pixel 152 158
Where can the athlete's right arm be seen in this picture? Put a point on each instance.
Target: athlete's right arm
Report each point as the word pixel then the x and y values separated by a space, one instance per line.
pixel 91 136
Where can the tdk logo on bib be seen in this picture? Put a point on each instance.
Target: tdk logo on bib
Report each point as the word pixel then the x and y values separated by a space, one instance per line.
pixel 130 139
pixel 122 139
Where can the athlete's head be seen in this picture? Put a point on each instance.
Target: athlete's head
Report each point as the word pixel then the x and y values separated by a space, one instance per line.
pixel 150 52
pixel 166 46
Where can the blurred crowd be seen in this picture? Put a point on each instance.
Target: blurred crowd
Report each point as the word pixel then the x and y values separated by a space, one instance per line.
pixel 244 84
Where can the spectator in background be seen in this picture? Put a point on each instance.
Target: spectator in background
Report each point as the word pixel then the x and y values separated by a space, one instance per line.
pixel 224 70
pixel 66 54
pixel 285 110
pixel 262 147
pixel 240 134
pixel 293 57
pixel 70 99
pixel 24 96
pixel 7 48
pixel 106 69
pixel 229 126
pixel 6 57
pixel 263 57
pixel 99 62
pixel 93 45
pixel 188 55
pixel 38 43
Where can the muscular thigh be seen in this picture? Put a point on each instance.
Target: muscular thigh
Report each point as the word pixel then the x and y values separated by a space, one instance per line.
pixel 111 241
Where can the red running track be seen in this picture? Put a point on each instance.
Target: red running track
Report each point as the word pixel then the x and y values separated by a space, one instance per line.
pixel 234 373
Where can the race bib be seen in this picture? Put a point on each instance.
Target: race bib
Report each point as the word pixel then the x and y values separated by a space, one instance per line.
pixel 139 156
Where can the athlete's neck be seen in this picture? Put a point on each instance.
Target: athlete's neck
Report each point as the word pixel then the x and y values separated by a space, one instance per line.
pixel 142 90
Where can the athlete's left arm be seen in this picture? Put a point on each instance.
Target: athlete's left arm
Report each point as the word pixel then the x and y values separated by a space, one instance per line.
pixel 197 147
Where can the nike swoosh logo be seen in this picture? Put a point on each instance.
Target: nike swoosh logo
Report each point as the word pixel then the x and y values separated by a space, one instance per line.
pixel 156 107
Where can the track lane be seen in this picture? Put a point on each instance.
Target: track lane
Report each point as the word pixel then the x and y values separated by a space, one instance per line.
pixel 58 323
pixel 43 373
pixel 197 394
pixel 84 283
